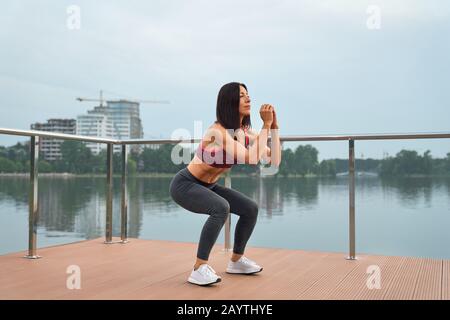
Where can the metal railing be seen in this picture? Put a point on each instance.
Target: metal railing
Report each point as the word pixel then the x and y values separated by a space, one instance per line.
pixel 34 156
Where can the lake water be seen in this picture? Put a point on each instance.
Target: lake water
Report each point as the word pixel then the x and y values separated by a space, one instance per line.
pixel 401 216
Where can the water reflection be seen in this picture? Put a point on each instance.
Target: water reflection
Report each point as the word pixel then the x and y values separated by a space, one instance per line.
pixel 77 206
pixel 411 191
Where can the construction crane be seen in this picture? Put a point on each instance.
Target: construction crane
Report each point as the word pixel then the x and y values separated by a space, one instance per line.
pixel 101 100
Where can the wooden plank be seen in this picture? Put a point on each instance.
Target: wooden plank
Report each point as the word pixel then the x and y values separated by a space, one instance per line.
pixel 155 269
pixel 99 263
pixel 327 276
pixel 177 287
pixel 404 281
pixel 280 274
pixel 361 283
pixel 429 281
pixel 446 280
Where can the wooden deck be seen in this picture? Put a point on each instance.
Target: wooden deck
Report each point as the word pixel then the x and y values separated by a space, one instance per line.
pixel 152 269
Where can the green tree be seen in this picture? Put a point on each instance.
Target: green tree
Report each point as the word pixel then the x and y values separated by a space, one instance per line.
pixel 19 152
pixel 76 157
pixel 3 152
pixel 287 160
pixel 99 162
pixel 45 167
pixel 327 168
pixel 447 163
pixel 407 162
pixel 305 160
pixel 132 167
pixel 427 163
pixel 7 166
pixel 160 160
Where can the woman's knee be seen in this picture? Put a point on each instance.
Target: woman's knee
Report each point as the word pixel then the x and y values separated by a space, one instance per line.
pixel 221 209
pixel 174 185
pixel 252 209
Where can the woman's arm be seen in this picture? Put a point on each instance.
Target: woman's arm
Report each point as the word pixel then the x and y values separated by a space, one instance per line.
pixel 253 135
pixel 275 145
pixel 275 140
pixel 255 152
pixel 275 149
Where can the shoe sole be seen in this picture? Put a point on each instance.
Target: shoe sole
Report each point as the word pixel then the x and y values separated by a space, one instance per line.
pixel 193 281
pixel 238 272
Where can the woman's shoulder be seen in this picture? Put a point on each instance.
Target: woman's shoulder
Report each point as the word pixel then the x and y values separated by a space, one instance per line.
pixel 214 129
pixel 238 133
pixel 217 128
pixel 212 132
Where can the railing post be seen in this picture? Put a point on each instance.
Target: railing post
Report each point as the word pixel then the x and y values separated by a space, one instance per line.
pixel 351 177
pixel 33 204
pixel 109 193
pixel 124 215
pixel 228 221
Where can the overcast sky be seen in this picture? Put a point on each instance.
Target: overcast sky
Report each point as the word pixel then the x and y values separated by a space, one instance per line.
pixel 317 62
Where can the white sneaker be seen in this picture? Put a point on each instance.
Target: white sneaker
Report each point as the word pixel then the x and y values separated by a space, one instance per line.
pixel 204 275
pixel 244 265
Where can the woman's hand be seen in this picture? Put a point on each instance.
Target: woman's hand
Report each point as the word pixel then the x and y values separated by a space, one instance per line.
pixel 266 113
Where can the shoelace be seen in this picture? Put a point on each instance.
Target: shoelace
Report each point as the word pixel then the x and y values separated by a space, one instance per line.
pixel 210 271
pixel 210 268
pixel 247 260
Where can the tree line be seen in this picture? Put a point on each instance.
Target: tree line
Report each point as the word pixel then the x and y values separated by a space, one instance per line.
pixel 302 161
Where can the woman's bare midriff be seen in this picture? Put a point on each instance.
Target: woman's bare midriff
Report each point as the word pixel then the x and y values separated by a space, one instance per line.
pixel 205 172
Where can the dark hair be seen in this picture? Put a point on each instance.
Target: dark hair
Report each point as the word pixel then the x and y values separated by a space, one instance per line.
pixel 227 110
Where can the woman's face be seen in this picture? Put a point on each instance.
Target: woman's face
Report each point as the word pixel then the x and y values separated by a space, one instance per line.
pixel 244 102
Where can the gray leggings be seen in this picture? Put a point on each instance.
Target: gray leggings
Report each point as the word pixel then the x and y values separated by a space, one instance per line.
pixel 217 201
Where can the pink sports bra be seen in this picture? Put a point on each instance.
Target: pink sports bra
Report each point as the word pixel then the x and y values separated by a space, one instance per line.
pixel 224 161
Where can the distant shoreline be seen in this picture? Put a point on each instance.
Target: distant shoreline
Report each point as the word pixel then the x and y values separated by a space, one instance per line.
pixel 140 175
pixel 103 175
pixel 170 175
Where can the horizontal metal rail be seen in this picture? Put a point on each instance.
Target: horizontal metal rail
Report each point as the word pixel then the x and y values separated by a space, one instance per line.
pixel 34 152
pixel 288 138
pixel 54 135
